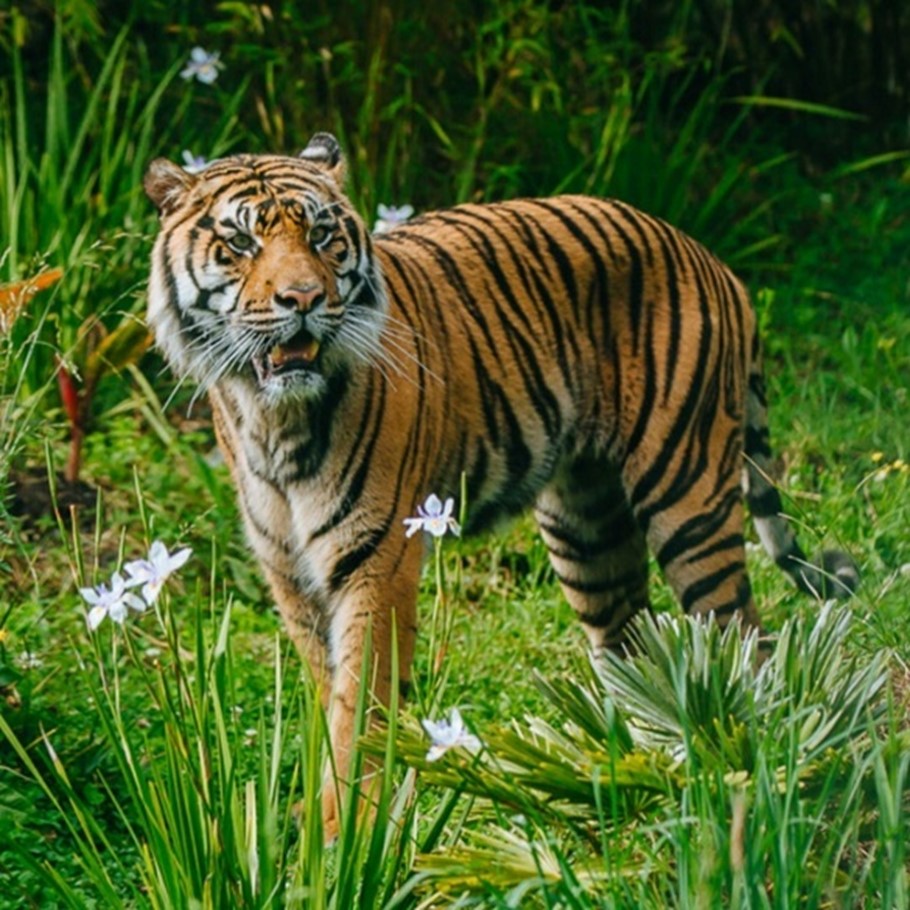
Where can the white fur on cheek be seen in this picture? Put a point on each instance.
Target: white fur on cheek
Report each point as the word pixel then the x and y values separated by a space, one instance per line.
pixel 222 302
pixel 344 285
pixel 166 314
pixel 162 318
pixel 186 290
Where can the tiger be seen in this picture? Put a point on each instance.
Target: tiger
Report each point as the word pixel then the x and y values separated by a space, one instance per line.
pixel 568 354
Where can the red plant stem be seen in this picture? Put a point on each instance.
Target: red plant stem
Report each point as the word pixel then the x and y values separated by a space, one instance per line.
pixel 74 458
pixel 72 405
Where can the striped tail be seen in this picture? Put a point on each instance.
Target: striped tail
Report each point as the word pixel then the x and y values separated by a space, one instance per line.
pixel 832 573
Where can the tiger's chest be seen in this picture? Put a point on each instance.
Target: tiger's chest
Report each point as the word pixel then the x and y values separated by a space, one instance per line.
pixel 289 495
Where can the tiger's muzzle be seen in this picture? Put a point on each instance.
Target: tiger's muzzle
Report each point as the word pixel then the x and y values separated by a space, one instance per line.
pixel 298 353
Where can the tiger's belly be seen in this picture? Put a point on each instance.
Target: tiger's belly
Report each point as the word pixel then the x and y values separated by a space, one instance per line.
pixel 498 483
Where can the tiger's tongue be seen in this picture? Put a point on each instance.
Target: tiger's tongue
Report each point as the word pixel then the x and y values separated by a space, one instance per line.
pixel 305 351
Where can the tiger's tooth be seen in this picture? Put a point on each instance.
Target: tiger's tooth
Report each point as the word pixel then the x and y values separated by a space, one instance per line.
pixel 311 350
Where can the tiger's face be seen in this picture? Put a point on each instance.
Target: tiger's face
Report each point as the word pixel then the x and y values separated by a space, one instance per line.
pixel 263 272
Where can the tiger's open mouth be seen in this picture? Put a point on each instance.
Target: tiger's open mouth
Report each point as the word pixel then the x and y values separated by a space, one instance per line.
pixel 298 353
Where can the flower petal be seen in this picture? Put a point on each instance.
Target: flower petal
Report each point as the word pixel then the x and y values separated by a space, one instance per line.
pixel 179 559
pixel 118 584
pixel 470 742
pixel 95 615
pixel 433 505
pixel 139 570
pixel 151 590
pixel 437 526
pixel 157 553
pixel 414 525
pixel 433 728
pixel 137 603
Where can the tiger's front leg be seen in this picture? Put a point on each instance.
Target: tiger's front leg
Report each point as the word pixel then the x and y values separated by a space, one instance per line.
pixel 377 603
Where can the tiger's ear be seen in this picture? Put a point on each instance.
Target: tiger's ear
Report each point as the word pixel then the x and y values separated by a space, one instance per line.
pixel 166 184
pixel 324 151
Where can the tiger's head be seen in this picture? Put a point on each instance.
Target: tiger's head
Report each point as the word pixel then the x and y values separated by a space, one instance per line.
pixel 263 272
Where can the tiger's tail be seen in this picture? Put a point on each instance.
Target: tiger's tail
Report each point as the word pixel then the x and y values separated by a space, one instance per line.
pixel 830 574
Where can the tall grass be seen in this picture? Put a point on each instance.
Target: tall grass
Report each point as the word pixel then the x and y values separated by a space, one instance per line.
pixel 200 805
pixel 683 776
pixel 203 809
pixel 70 195
pixel 686 776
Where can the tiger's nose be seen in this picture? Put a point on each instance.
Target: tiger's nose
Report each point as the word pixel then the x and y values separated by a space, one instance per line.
pixel 299 298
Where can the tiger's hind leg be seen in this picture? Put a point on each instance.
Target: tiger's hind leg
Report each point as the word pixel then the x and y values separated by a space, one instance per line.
pixel 596 548
pixel 694 527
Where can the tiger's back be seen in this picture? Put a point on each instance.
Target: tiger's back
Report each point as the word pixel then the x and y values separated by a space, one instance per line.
pixel 571 353
pixel 599 355
pixel 563 323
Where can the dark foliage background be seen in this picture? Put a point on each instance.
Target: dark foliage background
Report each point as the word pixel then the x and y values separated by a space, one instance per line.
pixel 446 101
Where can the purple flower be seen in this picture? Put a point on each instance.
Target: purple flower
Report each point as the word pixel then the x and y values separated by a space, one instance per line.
pixel 434 518
pixel 192 164
pixel 153 572
pixel 390 216
pixel 449 734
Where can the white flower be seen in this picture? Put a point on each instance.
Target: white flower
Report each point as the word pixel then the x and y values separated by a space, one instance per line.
pixel 391 215
pixel 153 572
pixel 434 518
pixel 110 601
pixel 28 660
pixel 203 66
pixel 449 734
pixel 192 164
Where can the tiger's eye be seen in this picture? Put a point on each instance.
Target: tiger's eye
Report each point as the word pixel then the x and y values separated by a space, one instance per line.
pixel 319 233
pixel 241 243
